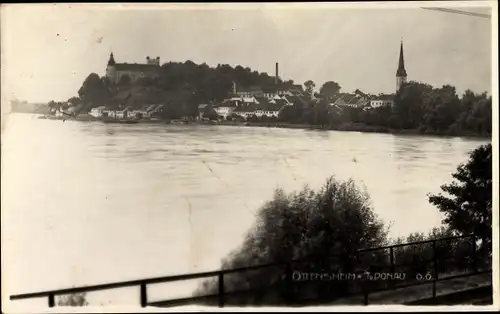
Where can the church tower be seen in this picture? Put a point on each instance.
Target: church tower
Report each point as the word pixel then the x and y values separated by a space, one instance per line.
pixel 111 69
pixel 111 60
pixel 401 72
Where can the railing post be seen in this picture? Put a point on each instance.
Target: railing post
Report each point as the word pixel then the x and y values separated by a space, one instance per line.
pixel 52 302
pixel 144 295
pixel 435 266
pixel 221 289
pixel 474 262
pixel 392 259
pixel 391 252
pixel 288 283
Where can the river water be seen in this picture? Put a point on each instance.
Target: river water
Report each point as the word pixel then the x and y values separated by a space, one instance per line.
pixel 87 203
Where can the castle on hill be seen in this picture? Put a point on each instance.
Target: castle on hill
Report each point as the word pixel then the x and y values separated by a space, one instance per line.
pixel 116 71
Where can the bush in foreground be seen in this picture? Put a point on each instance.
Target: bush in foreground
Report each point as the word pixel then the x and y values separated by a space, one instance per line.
pixel 76 299
pixel 312 225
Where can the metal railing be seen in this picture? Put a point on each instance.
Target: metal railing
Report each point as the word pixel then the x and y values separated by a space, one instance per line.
pixel 288 282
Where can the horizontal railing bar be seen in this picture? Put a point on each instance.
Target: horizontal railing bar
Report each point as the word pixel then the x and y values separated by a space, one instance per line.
pixel 412 243
pixel 428 261
pixel 131 283
pixel 209 296
pixel 165 279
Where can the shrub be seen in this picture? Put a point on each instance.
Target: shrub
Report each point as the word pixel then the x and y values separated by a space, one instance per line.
pixel 313 225
pixel 76 299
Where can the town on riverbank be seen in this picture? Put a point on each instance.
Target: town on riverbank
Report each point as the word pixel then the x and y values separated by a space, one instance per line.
pixel 187 93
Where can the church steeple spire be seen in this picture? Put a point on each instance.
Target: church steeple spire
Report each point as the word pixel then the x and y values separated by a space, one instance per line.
pixel 401 66
pixel 111 59
pixel 401 72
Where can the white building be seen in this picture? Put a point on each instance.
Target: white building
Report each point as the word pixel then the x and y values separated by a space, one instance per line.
pixel 122 114
pixel 226 108
pixel 381 101
pixel 245 112
pixel 97 112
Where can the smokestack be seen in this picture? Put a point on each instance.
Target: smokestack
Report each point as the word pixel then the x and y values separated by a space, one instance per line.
pixel 276 76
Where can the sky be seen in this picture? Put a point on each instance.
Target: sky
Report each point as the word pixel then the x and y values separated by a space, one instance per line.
pixel 49 49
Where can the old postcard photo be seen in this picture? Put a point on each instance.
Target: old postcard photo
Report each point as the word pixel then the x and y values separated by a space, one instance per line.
pixel 260 155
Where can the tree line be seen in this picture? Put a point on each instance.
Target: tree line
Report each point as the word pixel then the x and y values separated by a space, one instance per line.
pixel 417 106
pixel 182 86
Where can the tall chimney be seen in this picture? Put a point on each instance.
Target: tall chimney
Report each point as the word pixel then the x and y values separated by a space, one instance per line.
pixel 276 76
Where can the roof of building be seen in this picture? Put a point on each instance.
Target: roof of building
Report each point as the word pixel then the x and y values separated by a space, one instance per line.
pixel 248 99
pixel 124 110
pixel 261 99
pixel 265 105
pixel 356 99
pixel 348 98
pixel 227 103
pixel 383 97
pixel 136 67
pixel 357 91
pixel 280 102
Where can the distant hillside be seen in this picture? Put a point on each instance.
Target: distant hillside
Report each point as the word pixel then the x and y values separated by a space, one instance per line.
pixel 25 107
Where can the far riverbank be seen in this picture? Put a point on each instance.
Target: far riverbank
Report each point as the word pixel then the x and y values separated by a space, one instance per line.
pixel 347 127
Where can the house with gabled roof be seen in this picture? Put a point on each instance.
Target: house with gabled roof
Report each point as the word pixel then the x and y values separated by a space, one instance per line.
pixel 122 114
pixel 296 100
pixel 205 110
pixel 248 100
pixel 97 111
pixel 356 100
pixel 145 111
pixel 226 108
pixel 246 111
